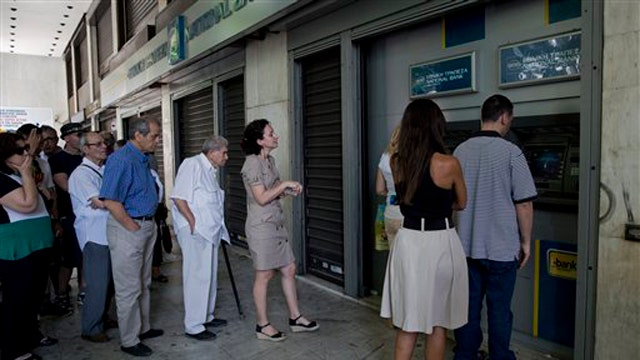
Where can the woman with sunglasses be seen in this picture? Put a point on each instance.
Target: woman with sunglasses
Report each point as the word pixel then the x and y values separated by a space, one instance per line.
pixel 25 234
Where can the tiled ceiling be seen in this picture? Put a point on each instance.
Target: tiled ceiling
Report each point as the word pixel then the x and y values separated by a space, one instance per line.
pixel 39 27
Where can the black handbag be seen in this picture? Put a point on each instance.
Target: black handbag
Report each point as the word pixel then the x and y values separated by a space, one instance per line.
pixel 165 237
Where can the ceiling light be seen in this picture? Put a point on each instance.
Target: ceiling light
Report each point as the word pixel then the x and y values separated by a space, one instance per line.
pixel 12 33
pixel 14 9
pixel 59 31
pixel 12 26
pixel 11 46
pixel 54 44
pixel 13 39
pixel 13 18
pixel 49 54
pixel 51 50
pixel 11 51
pixel 69 7
pixel 62 24
pixel 56 38
pixel 65 15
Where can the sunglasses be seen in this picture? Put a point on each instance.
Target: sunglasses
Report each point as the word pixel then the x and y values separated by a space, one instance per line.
pixel 19 150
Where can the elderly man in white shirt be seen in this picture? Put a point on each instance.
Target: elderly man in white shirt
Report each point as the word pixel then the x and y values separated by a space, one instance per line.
pixel 198 217
pixel 91 229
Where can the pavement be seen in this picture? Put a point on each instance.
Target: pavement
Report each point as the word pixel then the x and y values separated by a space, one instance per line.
pixel 349 328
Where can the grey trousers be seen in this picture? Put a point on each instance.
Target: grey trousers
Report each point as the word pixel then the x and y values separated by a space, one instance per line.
pixel 97 275
pixel 131 257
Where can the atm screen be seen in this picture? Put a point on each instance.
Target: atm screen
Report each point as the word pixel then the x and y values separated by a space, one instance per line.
pixel 546 163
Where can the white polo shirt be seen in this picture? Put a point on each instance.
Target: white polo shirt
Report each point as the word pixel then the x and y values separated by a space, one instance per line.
pixel 197 184
pixel 84 183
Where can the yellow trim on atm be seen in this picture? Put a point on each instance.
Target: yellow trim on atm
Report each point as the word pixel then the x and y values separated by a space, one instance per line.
pixel 546 12
pixel 536 287
pixel 444 44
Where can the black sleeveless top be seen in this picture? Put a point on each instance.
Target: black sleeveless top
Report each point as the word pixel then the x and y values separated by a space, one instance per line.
pixel 429 201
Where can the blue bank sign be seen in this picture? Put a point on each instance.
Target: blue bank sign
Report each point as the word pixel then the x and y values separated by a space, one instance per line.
pixel 445 76
pixel 205 25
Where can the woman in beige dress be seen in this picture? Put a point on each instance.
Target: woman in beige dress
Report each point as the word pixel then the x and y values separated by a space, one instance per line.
pixel 265 229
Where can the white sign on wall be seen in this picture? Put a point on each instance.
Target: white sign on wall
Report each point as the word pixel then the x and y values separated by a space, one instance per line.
pixel 11 118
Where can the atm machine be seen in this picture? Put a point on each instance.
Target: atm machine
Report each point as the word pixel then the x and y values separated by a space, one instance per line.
pixel 544 298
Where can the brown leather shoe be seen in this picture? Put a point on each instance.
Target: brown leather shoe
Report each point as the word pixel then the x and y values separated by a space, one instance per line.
pixel 97 338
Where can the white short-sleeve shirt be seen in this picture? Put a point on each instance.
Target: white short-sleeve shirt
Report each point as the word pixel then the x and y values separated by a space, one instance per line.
pixel 84 184
pixel 197 184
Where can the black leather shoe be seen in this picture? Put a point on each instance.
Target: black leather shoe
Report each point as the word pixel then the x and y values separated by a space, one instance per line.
pixel 202 336
pixel 151 333
pixel 47 341
pixel 138 349
pixel 216 323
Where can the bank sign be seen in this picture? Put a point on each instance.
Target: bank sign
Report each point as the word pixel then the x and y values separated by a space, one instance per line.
pixel 205 25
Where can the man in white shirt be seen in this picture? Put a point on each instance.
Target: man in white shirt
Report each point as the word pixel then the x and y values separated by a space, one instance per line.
pixel 91 229
pixel 198 217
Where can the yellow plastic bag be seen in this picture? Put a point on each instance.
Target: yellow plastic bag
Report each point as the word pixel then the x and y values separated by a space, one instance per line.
pixel 381 241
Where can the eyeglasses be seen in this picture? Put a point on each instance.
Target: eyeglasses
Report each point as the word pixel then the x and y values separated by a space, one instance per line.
pixel 96 144
pixel 54 139
pixel 19 150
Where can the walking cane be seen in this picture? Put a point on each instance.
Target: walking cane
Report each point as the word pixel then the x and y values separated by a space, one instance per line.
pixel 233 283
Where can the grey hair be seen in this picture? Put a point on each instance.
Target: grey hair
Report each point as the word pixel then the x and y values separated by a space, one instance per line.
pixel 84 136
pixel 140 125
pixel 214 143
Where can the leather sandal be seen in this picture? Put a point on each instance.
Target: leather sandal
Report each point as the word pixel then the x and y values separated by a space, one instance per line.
pixel 262 336
pixel 298 327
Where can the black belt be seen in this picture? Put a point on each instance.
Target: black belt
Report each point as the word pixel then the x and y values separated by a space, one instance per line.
pixel 143 218
pixel 423 224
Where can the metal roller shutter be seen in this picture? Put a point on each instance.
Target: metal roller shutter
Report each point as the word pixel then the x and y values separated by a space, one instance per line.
pixel 232 128
pixel 135 12
pixel 195 122
pixel 322 144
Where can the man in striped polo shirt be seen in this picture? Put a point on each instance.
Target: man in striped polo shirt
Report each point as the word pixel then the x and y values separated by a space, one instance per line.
pixel 494 228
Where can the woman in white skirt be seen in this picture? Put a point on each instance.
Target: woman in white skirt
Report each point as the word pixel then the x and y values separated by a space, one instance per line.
pixel 426 286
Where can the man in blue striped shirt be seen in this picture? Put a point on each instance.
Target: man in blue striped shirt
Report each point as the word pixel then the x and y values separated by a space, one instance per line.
pixel 129 193
pixel 494 228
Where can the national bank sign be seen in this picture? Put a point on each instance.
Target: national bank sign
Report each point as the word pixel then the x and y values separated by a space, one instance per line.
pixel 204 25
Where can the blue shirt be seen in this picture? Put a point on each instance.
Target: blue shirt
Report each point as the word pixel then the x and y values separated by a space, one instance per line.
pixel 128 180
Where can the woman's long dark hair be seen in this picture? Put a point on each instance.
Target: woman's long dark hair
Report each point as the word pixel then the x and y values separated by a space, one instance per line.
pixel 252 133
pixel 421 135
pixel 8 146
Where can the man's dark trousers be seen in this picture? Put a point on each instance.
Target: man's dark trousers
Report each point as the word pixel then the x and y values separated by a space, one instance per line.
pixel 496 280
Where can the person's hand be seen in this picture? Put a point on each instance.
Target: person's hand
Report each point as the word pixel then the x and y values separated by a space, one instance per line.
pixel 23 168
pixel 525 252
pixel 133 226
pixel 293 188
pixel 192 226
pixel 57 229
pixel 95 203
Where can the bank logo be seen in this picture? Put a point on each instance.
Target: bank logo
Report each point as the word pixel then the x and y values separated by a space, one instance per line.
pixel 562 264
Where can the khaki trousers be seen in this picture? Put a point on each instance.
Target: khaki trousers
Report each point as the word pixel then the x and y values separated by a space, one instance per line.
pixel 131 257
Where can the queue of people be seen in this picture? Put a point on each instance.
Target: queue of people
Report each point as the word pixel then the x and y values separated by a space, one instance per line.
pixel 108 205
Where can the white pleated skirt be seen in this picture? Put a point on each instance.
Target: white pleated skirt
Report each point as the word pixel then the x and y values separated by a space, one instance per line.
pixel 426 282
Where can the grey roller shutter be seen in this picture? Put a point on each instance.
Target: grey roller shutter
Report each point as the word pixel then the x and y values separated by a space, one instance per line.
pixel 135 12
pixel 232 127
pixel 195 122
pixel 322 144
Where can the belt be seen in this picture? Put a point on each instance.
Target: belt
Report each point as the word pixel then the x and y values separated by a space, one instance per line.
pixel 143 218
pixel 423 224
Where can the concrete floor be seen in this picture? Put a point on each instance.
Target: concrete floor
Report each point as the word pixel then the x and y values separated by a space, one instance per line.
pixel 348 329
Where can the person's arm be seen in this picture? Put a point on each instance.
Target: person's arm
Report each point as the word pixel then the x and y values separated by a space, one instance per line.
pixel 459 186
pixel 62 180
pixel 185 210
pixel 381 184
pixel 25 198
pixel 524 214
pixel 118 212
pixel 264 196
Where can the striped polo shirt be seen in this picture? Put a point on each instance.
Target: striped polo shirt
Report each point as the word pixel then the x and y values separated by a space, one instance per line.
pixel 497 178
pixel 22 234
